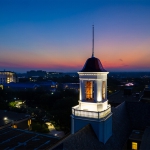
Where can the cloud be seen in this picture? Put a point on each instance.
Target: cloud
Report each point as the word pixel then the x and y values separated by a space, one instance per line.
pixel 120 60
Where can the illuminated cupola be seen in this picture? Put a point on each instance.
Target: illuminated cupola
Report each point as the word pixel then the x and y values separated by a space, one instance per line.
pixel 93 105
pixel 93 81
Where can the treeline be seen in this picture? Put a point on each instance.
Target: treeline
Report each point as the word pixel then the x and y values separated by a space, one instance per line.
pixel 56 106
pixel 61 79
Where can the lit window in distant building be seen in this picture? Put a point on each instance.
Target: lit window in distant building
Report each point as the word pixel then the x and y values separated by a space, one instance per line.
pixel 14 126
pixel 8 80
pixel 89 88
pixel 103 90
pixel 134 146
pixel 29 122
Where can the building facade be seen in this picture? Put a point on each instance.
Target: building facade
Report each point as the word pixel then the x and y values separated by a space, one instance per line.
pixel 38 73
pixel 7 77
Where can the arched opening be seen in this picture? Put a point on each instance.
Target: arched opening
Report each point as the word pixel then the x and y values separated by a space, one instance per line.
pixel 89 90
pixel 103 89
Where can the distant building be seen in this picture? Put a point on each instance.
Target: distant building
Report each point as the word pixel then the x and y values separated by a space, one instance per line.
pixel 71 86
pixel 46 85
pixel 146 94
pixel 72 74
pixel 21 86
pixel 7 77
pixel 38 73
pixel 54 74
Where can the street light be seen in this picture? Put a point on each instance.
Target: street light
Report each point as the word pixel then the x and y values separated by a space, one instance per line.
pixel 5 118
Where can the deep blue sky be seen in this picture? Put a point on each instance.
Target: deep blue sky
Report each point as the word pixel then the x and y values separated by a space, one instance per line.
pixel 56 35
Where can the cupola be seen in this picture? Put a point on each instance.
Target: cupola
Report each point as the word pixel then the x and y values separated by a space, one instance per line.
pixel 93 105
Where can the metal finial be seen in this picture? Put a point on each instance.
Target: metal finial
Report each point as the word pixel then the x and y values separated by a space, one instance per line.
pixel 93 43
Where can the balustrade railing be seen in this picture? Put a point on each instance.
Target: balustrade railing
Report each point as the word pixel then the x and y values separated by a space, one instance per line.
pixel 91 114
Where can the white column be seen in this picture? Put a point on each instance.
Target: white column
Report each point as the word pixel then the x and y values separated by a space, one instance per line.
pixel 106 89
pixel 72 125
pixel 95 91
pixel 80 96
pixel 99 90
pixel 83 89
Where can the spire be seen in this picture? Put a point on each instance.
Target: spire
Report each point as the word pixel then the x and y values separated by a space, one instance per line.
pixel 93 42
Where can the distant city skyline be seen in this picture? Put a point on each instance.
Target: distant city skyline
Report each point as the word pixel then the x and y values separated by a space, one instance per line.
pixel 56 35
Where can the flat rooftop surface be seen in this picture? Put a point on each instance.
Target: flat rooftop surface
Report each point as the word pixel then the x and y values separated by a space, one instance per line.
pixel 136 135
pixel 145 144
pixel 23 139
pixel 11 116
pixel 119 97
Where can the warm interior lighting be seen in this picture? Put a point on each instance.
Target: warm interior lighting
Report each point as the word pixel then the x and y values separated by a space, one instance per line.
pixel 14 126
pixel 89 90
pixel 1 86
pixel 29 122
pixel 103 90
pixel 134 146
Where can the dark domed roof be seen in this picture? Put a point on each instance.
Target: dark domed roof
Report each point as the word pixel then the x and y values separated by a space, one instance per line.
pixel 93 65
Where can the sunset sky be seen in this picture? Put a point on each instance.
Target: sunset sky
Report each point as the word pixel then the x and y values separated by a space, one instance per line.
pixel 56 35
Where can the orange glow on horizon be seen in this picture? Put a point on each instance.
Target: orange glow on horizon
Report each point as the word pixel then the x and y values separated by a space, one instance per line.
pixel 112 55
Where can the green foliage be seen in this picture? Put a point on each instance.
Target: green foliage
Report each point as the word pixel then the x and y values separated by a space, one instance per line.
pixel 12 104
pixel 62 111
pixel 39 127
pixel 56 106
pixel 65 79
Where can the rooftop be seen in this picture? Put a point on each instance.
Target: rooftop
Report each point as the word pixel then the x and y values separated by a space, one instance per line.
pixel 87 139
pixel 145 144
pixel 7 117
pixel 22 139
pixel 126 118
pixel 136 135
pixel 119 97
